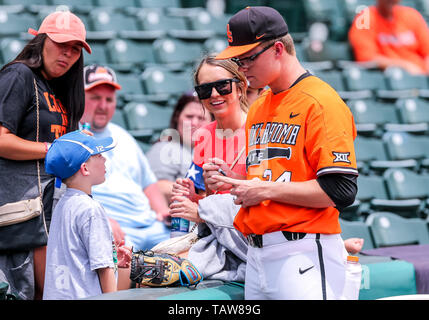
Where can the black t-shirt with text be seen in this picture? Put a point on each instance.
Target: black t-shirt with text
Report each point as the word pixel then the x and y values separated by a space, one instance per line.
pixel 18 105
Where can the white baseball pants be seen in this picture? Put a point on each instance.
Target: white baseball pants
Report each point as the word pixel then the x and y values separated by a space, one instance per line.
pixel 311 268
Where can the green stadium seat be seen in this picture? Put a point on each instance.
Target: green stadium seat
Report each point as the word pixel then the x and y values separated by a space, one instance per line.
pixel 413 110
pixel 400 80
pixel 357 229
pixel 159 3
pixel 215 45
pixel 402 146
pixel 108 23
pixel 328 51
pixel 389 229
pixel 76 6
pixel 10 47
pixel 127 55
pixel 114 3
pixel 353 7
pixel 156 23
pixel 162 84
pixel 361 79
pixel 372 157
pixel 232 7
pixel 118 118
pixel 132 86
pixel 336 80
pixel 294 14
pixel 13 24
pixel 145 119
pixel 372 116
pixel 202 20
pixel 98 54
pixel 405 184
pixel 177 54
pixel 331 12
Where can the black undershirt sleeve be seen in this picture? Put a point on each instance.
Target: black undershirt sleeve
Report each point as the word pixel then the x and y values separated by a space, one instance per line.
pixel 341 188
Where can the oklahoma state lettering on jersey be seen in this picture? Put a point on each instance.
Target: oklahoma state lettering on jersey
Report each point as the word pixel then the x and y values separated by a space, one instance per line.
pixel 297 135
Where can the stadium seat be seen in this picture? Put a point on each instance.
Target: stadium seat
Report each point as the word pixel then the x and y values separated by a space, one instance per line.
pixel 127 55
pixel 108 23
pixel 76 6
pixel 202 20
pixel 402 146
pixel 114 3
pixel 132 87
pixel 328 51
pixel 353 7
pixel 405 184
pixel 404 83
pixel 371 189
pixel 10 47
pixel 364 80
pixel 215 45
pixel 162 84
pixel 357 229
pixel 145 119
pixel 372 116
pixel 330 12
pixel 13 24
pixel 407 192
pixel 98 54
pixel 159 3
pixel 336 79
pixel 177 54
pixel 294 14
pixel 232 7
pixel 389 229
pixel 118 118
pixel 157 24
pixel 413 110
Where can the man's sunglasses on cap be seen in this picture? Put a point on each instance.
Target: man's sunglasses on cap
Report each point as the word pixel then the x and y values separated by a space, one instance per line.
pixel 223 87
pixel 241 62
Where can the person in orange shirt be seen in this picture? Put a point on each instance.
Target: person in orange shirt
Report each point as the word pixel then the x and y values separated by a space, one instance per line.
pixel 301 167
pixel 391 35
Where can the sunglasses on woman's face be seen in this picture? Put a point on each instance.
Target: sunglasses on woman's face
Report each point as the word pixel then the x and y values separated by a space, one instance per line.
pixel 223 87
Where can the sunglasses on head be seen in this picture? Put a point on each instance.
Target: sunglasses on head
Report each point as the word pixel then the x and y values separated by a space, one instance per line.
pixel 223 87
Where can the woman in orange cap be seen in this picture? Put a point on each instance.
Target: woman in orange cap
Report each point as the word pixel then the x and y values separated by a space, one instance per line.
pixel 52 64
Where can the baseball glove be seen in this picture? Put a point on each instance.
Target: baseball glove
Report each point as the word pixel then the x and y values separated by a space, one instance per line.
pixel 162 269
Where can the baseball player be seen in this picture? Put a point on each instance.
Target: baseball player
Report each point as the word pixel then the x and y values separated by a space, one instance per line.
pixel 301 166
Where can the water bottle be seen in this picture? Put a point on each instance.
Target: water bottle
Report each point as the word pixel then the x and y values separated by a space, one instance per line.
pixel 179 227
pixel 353 278
pixel 86 126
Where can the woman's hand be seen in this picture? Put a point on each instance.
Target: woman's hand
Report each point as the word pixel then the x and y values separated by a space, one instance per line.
pixel 182 207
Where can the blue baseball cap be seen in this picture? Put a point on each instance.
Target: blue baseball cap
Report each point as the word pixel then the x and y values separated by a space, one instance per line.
pixel 67 153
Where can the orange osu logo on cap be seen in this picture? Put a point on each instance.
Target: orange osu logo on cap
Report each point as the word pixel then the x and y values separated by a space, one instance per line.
pixel 228 33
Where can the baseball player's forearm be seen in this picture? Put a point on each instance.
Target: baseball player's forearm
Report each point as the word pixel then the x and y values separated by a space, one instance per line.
pixel 305 193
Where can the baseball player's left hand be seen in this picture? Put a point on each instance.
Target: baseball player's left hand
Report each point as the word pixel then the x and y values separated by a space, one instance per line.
pixel 247 192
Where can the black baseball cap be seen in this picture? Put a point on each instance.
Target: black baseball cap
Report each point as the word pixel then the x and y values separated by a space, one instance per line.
pixel 94 75
pixel 251 26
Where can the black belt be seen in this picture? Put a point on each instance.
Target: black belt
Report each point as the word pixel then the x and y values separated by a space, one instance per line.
pixel 255 240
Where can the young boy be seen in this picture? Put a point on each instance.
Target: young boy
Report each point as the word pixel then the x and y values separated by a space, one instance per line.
pixel 81 256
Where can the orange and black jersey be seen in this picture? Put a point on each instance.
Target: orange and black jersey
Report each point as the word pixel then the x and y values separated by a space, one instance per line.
pixel 297 135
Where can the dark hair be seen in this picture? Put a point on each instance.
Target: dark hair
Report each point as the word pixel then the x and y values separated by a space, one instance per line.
pixel 68 88
pixel 184 99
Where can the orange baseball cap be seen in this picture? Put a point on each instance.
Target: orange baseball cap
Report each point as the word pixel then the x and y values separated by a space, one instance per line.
pixel 63 26
pixel 251 26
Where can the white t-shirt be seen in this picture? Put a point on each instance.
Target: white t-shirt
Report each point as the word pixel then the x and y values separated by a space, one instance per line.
pixel 80 242
pixel 127 174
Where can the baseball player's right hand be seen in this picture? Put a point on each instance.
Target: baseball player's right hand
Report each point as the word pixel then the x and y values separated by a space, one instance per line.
pixel 215 167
